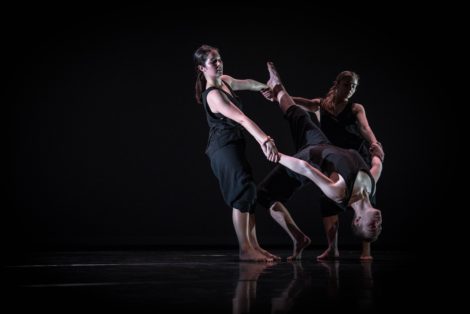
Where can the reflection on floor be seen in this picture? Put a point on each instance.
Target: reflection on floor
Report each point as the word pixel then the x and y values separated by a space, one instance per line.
pixel 210 281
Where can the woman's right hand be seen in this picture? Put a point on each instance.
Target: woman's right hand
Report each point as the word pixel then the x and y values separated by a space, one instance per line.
pixel 270 150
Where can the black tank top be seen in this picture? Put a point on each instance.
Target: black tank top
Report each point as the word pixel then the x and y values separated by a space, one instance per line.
pixel 222 130
pixel 343 131
pixel 346 162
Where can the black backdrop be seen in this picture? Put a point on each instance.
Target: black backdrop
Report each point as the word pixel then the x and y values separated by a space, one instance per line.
pixel 108 143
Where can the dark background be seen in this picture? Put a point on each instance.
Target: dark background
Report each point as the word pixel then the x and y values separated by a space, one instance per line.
pixel 108 143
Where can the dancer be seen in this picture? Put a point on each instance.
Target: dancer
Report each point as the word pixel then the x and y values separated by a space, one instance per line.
pixel 341 174
pixel 226 145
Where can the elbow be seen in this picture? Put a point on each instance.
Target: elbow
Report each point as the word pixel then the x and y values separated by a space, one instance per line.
pixel 335 194
pixel 377 163
pixel 242 121
pixel 377 167
pixel 378 173
pixel 304 168
pixel 365 130
pixel 240 118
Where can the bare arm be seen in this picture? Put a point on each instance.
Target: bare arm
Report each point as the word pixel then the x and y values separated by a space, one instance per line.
pixel 219 103
pixel 376 168
pixel 335 192
pixel 364 127
pixel 309 104
pixel 247 84
pixel 375 146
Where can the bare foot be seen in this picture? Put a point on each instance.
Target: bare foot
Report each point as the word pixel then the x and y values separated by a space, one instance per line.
pixel 299 246
pixel 329 254
pixel 274 79
pixel 254 256
pixel 267 254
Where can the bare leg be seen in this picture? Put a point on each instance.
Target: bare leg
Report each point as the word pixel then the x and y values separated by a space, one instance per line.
pixel 365 255
pixel 281 215
pixel 247 251
pixel 254 239
pixel 331 229
pixel 280 94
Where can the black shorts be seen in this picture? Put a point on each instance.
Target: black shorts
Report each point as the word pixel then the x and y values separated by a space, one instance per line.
pixel 230 166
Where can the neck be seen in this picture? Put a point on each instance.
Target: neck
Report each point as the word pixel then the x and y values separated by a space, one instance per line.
pixel 341 101
pixel 362 187
pixel 360 205
pixel 216 82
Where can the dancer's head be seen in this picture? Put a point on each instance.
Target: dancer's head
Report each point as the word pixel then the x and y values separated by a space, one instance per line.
pixel 208 65
pixel 346 83
pixel 344 87
pixel 367 224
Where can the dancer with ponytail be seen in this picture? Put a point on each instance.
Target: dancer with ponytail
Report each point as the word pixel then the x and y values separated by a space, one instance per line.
pixel 345 124
pixel 226 145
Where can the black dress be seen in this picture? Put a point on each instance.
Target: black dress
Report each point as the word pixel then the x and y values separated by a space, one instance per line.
pixel 226 152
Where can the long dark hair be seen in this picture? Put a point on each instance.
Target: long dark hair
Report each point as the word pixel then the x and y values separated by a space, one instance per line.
pixel 200 58
pixel 328 103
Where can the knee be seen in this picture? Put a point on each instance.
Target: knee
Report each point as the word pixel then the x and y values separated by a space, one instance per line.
pixel 251 192
pixel 276 207
pixel 247 202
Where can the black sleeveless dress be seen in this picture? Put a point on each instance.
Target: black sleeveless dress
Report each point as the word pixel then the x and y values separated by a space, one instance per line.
pixel 343 131
pixel 226 152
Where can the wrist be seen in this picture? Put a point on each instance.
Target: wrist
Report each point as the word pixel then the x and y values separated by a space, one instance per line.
pixel 262 87
pixel 268 138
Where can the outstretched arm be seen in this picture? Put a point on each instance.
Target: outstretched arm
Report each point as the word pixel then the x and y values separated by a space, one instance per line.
pixel 364 127
pixel 309 104
pixel 247 84
pixel 334 190
pixel 366 131
pixel 219 103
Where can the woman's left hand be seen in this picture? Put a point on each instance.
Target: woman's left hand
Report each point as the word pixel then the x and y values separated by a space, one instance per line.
pixel 267 93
